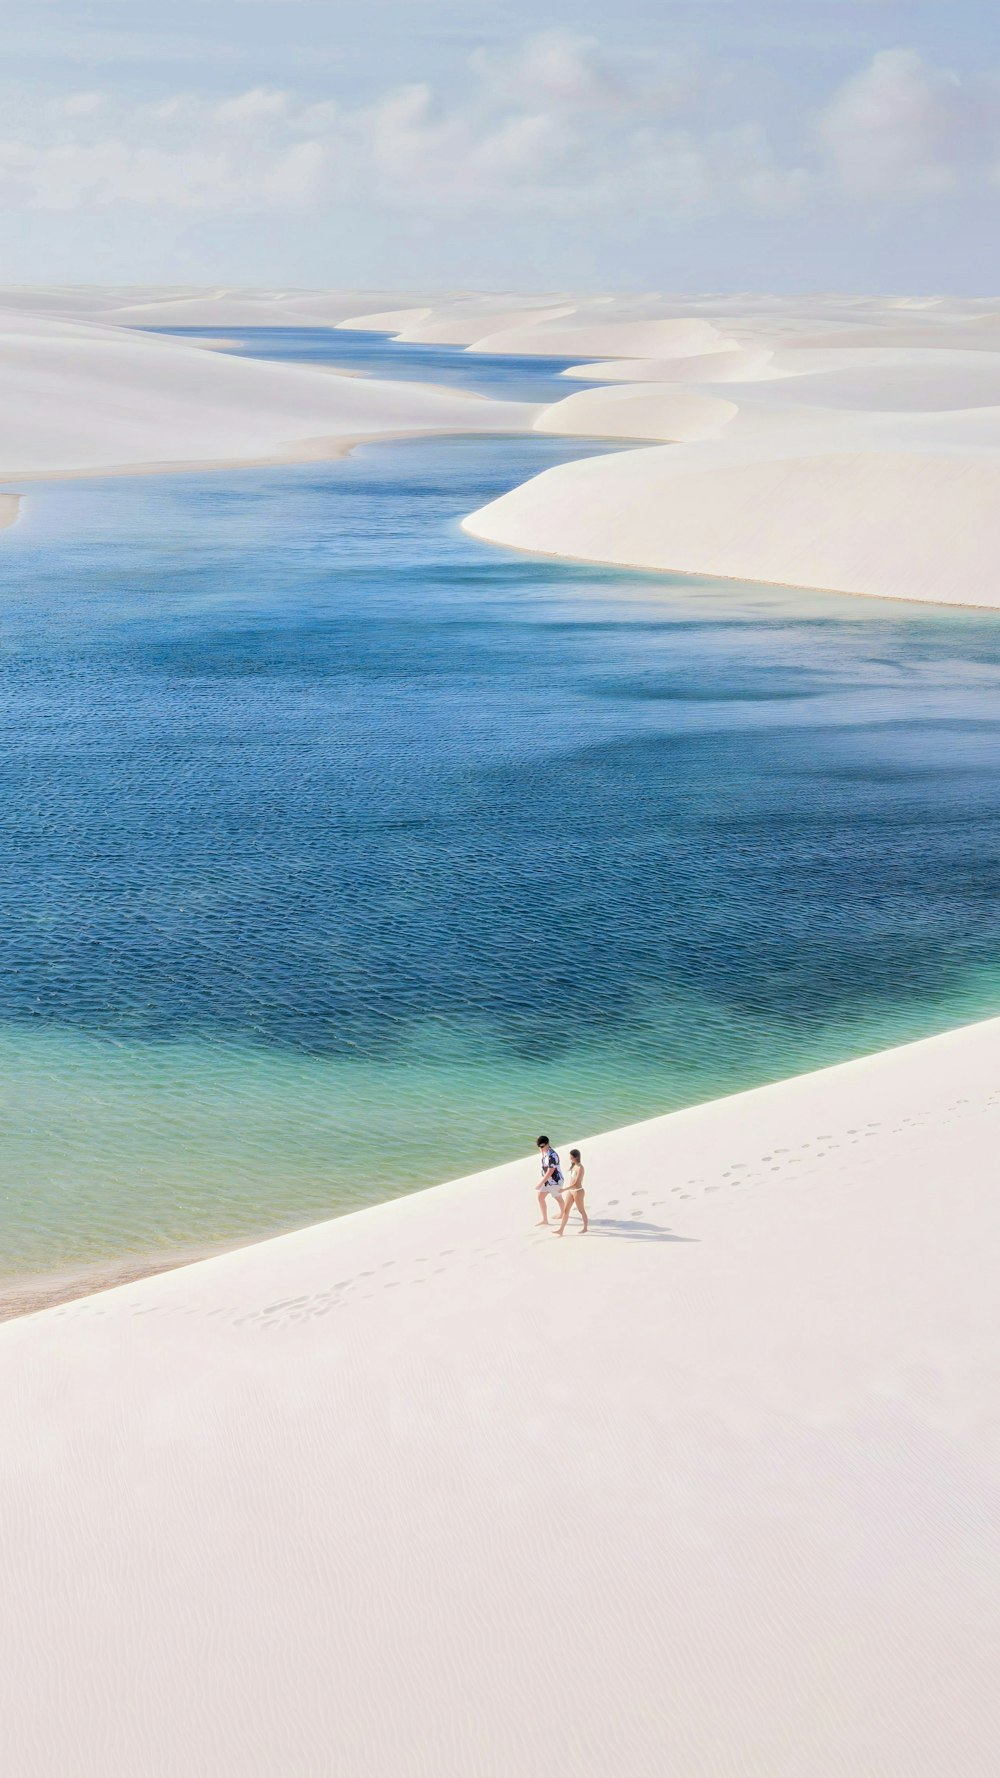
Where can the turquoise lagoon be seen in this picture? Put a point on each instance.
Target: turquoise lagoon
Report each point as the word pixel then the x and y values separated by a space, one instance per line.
pixel 341 853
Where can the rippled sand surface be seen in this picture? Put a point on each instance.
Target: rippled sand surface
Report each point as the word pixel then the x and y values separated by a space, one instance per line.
pixel 341 851
pixel 332 1503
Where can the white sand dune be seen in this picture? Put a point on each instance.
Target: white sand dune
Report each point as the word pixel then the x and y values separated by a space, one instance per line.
pixel 639 410
pixel 754 364
pixel 831 407
pixel 82 302
pixel 589 337
pixel 711 1491
pixel 82 396
pixel 854 448
pixel 561 327
pixel 387 321
pixel 238 308
pixel 466 329
pixel 463 322
pixel 734 364
pixel 846 444
pixel 900 525
pixel 187 306
pixel 886 381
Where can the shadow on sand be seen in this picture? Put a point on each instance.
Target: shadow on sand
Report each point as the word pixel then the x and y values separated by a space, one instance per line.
pixel 632 1229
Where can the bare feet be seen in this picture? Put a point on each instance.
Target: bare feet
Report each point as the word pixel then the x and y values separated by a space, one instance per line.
pixel 542 1223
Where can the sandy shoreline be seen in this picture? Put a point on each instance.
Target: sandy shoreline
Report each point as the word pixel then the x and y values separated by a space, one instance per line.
pixel 307 450
pixel 747 1426
pixel 713 577
pixel 86 397
pixel 31 1292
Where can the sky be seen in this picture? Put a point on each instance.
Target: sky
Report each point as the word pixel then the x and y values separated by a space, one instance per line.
pixel 423 145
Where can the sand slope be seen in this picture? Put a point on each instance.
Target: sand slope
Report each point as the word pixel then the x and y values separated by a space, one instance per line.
pixel 609 337
pixel 182 306
pixel 735 364
pixel 862 458
pixel 639 410
pixel 83 395
pixel 463 321
pixel 424 1491
pixel 913 526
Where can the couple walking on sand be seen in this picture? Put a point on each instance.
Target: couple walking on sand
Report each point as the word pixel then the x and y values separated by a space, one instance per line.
pixel 566 1192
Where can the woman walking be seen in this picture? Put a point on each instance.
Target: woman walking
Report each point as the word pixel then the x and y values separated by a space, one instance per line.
pixel 573 1192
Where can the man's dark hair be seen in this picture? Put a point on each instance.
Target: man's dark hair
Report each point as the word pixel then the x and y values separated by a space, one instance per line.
pixel 541 1142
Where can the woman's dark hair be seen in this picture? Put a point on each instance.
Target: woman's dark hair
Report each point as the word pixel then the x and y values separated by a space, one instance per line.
pixel 574 1154
pixel 541 1142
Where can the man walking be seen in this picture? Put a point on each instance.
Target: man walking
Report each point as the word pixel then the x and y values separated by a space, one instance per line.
pixel 551 1180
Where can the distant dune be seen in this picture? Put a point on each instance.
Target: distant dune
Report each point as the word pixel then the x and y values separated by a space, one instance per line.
pixel 640 410
pixel 851 444
pixel 852 447
pixel 93 396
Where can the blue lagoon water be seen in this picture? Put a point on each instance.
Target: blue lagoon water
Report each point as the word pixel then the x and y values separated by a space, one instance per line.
pixel 529 378
pixel 341 852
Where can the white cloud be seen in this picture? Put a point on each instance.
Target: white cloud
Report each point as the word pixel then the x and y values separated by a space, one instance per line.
pixel 415 151
pixel 904 129
pixel 79 104
pixel 163 110
pixel 111 173
pixel 556 69
pixel 565 71
pixel 559 122
pixel 254 106
pixel 297 176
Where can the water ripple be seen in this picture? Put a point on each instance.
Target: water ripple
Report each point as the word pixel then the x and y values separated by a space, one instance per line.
pixel 339 850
